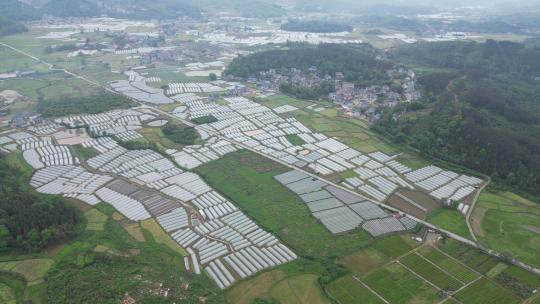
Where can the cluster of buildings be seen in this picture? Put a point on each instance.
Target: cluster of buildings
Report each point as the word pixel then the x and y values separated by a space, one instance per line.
pixel 367 102
pixel 364 102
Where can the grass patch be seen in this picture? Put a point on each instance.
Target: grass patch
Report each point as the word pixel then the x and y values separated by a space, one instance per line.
pixel 451 220
pixel 302 289
pixel 33 270
pixel 349 291
pixel 84 153
pixel 398 286
pixel 364 261
pixel 295 139
pixel 496 270
pixel 155 135
pixel 277 100
pixel 347 174
pixel 134 230
pixel 511 224
pixel 485 291
pixel 276 208
pixel 394 246
pixel 258 287
pixel 95 219
pixel 161 237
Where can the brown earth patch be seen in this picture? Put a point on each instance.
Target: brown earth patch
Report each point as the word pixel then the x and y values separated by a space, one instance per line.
pixel 476 221
pixel 420 198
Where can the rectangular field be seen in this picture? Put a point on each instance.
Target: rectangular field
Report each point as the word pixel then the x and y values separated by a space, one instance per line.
pixel 471 257
pixel 394 246
pixel 485 291
pixel 348 291
pixel 430 272
pixel 399 286
pixel 453 267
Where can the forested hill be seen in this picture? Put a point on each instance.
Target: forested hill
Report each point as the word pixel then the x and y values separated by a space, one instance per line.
pixel 482 108
pixel 135 9
pixel 358 62
pixel 490 57
pixel 30 220
pixel 9 27
pixel 315 26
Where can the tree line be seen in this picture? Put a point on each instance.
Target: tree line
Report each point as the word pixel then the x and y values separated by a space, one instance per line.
pixel 30 220
pixel 92 104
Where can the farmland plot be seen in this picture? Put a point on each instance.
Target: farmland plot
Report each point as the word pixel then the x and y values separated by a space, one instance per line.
pixel 398 285
pixel 453 267
pixel 430 272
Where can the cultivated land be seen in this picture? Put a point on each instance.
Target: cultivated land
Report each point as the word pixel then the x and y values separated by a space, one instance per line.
pixel 112 255
pixel 509 223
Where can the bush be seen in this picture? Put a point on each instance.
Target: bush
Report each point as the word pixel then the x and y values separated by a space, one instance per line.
pixel 180 134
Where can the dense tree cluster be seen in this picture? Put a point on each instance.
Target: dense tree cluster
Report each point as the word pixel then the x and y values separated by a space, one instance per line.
pixel 92 104
pixel 487 121
pixel 482 58
pixel 180 133
pixel 315 26
pixel 29 220
pixel 358 63
pixel 135 9
pixel 10 27
pixel 204 119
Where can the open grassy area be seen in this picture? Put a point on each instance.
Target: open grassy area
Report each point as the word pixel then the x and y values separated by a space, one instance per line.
pixel 258 287
pixel 156 135
pixel 349 291
pixel 302 289
pixel 12 61
pixel 277 100
pixel 247 179
pixel 161 237
pixel 95 220
pixel 52 85
pixel 509 223
pixel 33 270
pixel 451 220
